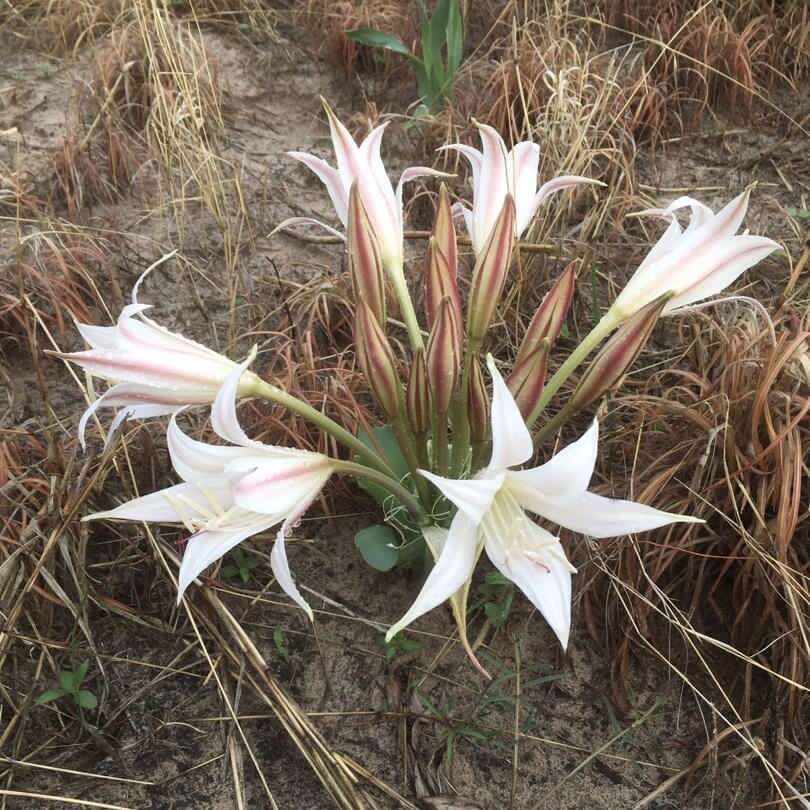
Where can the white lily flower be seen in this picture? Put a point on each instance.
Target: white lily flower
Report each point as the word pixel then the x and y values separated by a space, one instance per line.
pixel 492 516
pixel 496 173
pixel 363 164
pixel 696 262
pixel 155 371
pixel 231 493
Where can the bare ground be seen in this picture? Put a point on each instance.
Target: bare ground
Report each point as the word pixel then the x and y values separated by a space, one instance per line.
pixel 162 724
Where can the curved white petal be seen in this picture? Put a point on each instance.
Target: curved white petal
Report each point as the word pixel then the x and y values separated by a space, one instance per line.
pixel 543 573
pixel 141 401
pixel 491 188
pixel 205 548
pixel 283 575
pixel 739 253
pixel 181 503
pixel 223 413
pixel 453 568
pixel 472 496
pixel 194 460
pixel 473 155
pixel 726 222
pixel 667 241
pixel 330 177
pixel 511 440
pixel 290 221
pixel 700 213
pixel 99 337
pixel 522 180
pixel 381 192
pixel 284 484
pixel 597 516
pixel 347 153
pixel 413 173
pixel 566 473
pixel 558 184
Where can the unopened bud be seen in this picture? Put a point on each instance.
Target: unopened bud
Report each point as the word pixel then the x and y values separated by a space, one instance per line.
pixel 617 355
pixel 365 263
pixel 478 404
pixel 528 378
pixel 489 274
pixel 551 314
pixel 440 283
pixel 444 231
pixel 417 397
pixel 443 357
pixel 377 360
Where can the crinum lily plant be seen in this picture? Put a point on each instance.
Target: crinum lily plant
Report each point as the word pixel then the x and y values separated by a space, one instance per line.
pixel 457 464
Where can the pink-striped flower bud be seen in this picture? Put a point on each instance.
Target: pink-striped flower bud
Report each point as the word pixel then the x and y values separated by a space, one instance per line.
pixel 365 262
pixel 617 355
pixel 443 357
pixel 528 378
pixel 551 314
pixel 377 360
pixel 489 274
pixel 444 231
pixel 440 283
pixel 417 397
pixel 478 404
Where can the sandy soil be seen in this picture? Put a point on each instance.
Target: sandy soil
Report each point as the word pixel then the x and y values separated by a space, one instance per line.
pixel 169 727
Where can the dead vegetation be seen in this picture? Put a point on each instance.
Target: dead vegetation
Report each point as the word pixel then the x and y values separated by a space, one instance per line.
pixel 719 429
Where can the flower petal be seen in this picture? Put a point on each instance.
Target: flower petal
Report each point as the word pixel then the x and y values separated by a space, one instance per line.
pixel 567 473
pixel 197 461
pixel 544 575
pixel 472 496
pixel 283 575
pixel 522 166
pixel 738 254
pixel 180 503
pixel 597 516
pixel 473 155
pixel 453 568
pixel 206 547
pixel 284 483
pixel 491 188
pixel 511 440
pixel 141 401
pixel 558 184
pixel 330 177
pixel 223 413
pixel 290 221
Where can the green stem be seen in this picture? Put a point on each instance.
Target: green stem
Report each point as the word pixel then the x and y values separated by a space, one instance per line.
pixel 267 391
pixel 406 498
pixel 461 421
pixel 405 440
pixel 441 445
pixel 406 308
pixel 602 329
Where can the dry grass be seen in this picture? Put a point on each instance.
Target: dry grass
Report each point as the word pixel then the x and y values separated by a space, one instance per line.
pixel 724 422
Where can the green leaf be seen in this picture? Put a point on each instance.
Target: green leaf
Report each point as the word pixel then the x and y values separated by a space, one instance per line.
pixel 50 695
pixel 67 680
pixel 384 439
pixel 378 546
pixel 81 673
pixel 455 40
pixel 379 39
pixel 86 699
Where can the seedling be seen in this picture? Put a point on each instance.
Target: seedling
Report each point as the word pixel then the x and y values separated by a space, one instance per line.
pixel 442 43
pixel 242 566
pixel 70 683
